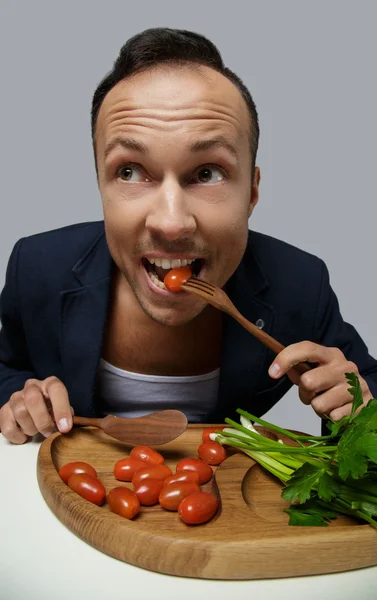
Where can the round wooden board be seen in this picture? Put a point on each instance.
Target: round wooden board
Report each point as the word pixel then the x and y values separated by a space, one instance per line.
pixel 249 538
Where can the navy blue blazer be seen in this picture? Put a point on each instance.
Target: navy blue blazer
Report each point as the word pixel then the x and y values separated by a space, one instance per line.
pixel 54 304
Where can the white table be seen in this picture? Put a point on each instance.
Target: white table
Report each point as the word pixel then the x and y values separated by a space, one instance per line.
pixel 41 559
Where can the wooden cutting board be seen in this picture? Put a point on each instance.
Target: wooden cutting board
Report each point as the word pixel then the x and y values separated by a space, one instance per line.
pixel 249 538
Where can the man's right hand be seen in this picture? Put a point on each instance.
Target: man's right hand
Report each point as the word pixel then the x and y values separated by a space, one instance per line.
pixel 41 407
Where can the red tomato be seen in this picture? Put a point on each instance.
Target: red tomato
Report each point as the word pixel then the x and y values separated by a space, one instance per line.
pixel 88 487
pixel 72 468
pixel 123 502
pixel 196 464
pixel 177 277
pixel 148 491
pixel 212 453
pixel 147 455
pixel 151 472
pixel 198 508
pixel 172 495
pixel 191 476
pixel 125 468
pixel 206 433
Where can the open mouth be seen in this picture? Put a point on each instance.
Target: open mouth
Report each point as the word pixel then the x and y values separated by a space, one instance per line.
pixel 157 268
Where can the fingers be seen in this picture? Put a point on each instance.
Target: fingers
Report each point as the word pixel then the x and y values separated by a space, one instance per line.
pixel 35 409
pixel 9 427
pixel 303 352
pixel 56 392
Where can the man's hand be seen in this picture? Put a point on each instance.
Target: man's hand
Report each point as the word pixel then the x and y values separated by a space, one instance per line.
pixel 39 407
pixel 325 386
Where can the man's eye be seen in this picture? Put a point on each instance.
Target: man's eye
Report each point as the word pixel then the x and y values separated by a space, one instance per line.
pixel 132 173
pixel 209 175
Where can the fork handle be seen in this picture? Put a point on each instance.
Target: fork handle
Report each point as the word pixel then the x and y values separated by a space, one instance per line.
pixel 266 339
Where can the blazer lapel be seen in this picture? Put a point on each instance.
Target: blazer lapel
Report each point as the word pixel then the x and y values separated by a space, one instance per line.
pixel 83 319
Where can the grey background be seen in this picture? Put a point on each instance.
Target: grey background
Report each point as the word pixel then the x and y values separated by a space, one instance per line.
pixel 311 67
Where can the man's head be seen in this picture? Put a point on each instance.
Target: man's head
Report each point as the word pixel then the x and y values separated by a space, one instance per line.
pixel 175 145
pixel 159 46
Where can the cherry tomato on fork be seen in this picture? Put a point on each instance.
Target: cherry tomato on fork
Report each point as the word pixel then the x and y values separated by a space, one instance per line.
pixel 177 277
pixel 76 467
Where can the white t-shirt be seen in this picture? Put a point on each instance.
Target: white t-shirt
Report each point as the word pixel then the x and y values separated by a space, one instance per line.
pixel 126 394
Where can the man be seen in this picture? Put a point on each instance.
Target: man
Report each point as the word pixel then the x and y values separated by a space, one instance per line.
pixel 87 325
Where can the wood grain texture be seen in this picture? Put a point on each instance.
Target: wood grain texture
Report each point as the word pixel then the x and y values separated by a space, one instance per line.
pixel 249 538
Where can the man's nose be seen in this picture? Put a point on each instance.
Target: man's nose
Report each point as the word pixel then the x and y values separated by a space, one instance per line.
pixel 170 213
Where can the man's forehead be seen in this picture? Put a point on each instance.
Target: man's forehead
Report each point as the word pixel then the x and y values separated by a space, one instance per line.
pixel 171 93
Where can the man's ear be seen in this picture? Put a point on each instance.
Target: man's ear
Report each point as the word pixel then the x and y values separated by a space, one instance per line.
pixel 254 196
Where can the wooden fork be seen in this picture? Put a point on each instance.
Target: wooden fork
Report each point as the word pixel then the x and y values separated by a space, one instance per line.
pixel 219 299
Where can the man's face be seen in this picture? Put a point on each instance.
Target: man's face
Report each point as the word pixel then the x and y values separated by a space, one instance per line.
pixel 174 170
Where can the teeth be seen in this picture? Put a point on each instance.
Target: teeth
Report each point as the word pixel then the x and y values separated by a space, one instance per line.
pixel 166 263
pixel 157 281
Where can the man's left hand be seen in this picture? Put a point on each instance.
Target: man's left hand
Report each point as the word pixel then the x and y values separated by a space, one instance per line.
pixel 325 386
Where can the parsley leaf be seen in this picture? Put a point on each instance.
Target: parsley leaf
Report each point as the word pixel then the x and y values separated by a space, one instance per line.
pixel 368 415
pixel 327 488
pixel 301 482
pixel 310 514
pixel 355 391
pixel 354 447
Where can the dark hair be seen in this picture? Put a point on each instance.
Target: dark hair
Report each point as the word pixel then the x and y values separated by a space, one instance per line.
pixel 157 46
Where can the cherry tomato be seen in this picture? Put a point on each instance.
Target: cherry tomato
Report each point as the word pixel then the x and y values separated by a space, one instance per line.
pixel 125 468
pixel 147 455
pixel 198 508
pixel 151 472
pixel 72 468
pixel 196 464
pixel 206 433
pixel 123 502
pixel 88 487
pixel 148 491
pixel 191 476
pixel 212 453
pixel 172 495
pixel 177 277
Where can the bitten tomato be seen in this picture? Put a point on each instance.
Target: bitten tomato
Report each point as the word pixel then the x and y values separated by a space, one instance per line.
pixel 206 433
pixel 212 453
pixel 196 464
pixel 123 502
pixel 190 476
pixel 72 468
pixel 148 491
pixel 147 455
pixel 88 487
pixel 177 277
pixel 198 508
pixel 125 468
pixel 172 495
pixel 151 472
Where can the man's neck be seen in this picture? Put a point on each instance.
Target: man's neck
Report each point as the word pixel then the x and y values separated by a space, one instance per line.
pixel 135 342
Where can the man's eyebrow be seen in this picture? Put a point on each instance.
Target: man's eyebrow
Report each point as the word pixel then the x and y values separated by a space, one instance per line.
pixel 218 142
pixel 127 144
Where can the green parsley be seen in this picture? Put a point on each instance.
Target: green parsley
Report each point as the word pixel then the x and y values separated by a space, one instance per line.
pixel 323 476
